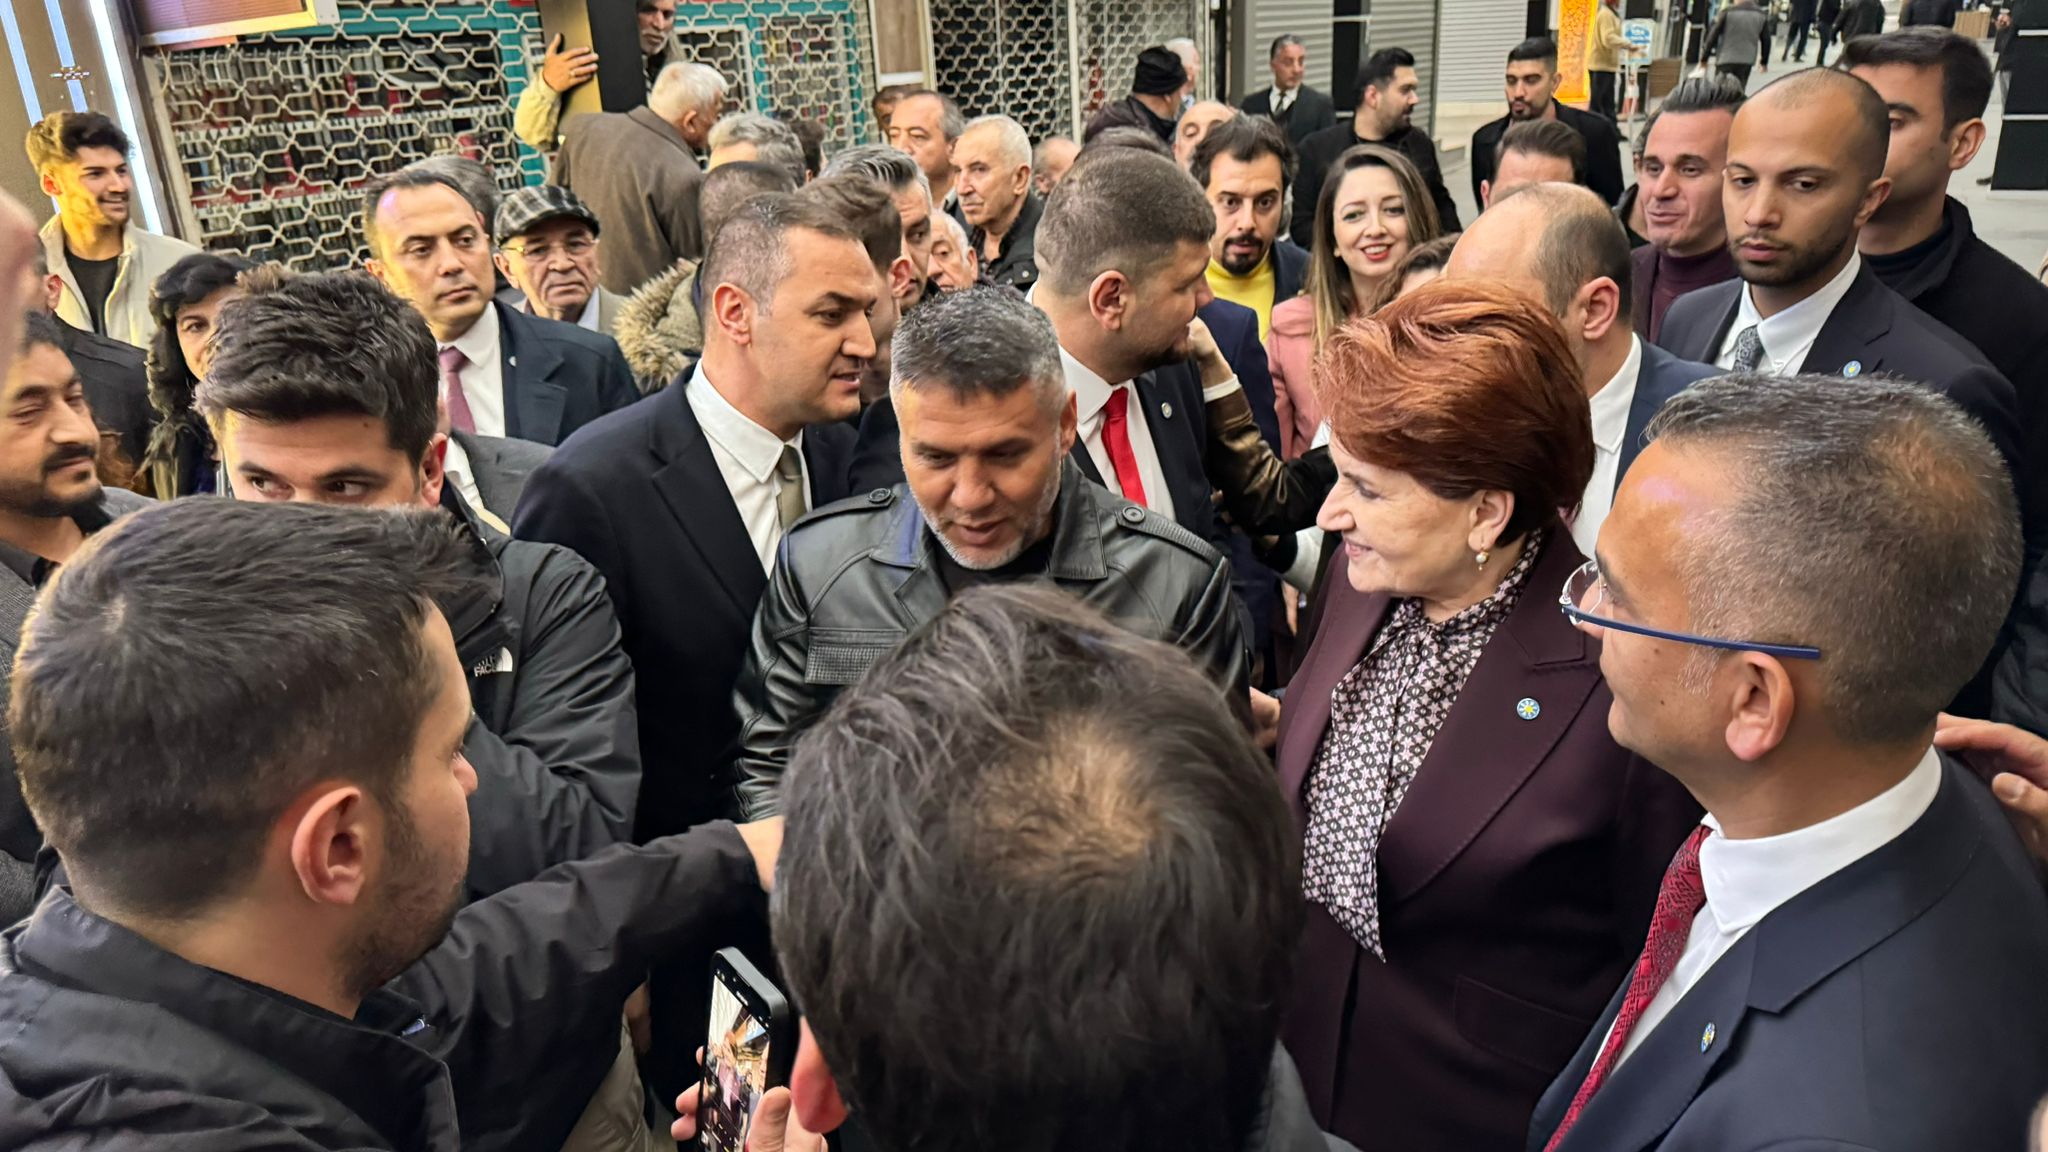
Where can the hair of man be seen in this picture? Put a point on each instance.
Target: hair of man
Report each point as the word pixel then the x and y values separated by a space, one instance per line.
pixel 1244 139
pixel 411 176
pixel 1870 518
pixel 979 342
pixel 1582 241
pixel 683 87
pixel 56 138
pixel 468 177
pixel 1119 209
pixel 893 167
pixel 1005 806
pixel 1013 144
pixel 750 250
pixel 952 122
pixel 864 206
pixel 1720 92
pixel 1552 138
pixel 1869 125
pixel 1284 40
pixel 774 142
pixel 728 186
pixel 1380 68
pixel 1535 48
pixel 1965 71
pixel 298 347
pixel 243 652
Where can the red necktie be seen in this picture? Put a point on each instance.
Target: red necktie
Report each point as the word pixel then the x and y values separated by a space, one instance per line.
pixel 1678 901
pixel 452 364
pixel 1116 438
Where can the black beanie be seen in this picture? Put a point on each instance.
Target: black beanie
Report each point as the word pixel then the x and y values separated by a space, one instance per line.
pixel 1160 73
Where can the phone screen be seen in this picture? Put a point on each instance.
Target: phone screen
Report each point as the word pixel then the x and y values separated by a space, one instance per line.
pixel 735 1069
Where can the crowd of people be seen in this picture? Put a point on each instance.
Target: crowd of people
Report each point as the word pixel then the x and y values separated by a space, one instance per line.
pixel 1170 639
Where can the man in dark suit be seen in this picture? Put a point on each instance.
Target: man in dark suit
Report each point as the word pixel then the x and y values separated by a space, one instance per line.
pixel 503 372
pixel 1562 244
pixel 1388 94
pixel 1806 300
pixel 1532 80
pixel 1290 103
pixel 638 172
pixel 491 471
pixel 681 502
pixel 1847 953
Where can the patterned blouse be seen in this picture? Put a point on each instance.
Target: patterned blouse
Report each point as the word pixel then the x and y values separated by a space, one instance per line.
pixel 1384 715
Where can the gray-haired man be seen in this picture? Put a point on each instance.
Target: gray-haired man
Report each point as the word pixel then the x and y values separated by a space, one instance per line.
pixel 990 496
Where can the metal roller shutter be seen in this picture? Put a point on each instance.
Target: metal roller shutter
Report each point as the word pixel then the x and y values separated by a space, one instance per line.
pixel 1474 49
pixel 1308 19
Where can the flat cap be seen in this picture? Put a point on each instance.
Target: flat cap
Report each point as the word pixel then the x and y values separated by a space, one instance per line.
pixel 531 205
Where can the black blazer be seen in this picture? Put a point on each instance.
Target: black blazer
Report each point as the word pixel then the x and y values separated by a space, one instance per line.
pixel 640 496
pixel 1603 151
pixel 1312 111
pixel 558 377
pixel 116 387
pixel 1661 377
pixel 1896 1004
pixel 1290 273
pixel 1872 330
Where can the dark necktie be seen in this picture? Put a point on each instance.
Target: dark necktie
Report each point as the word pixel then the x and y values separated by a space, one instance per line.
pixel 1749 350
pixel 1678 901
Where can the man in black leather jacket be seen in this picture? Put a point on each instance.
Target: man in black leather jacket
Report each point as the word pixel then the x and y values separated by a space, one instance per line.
pixel 987 422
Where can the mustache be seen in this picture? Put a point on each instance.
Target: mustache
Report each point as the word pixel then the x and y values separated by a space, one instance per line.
pixel 64 458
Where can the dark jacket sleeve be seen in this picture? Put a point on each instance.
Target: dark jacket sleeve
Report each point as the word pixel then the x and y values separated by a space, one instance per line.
pixel 559 779
pixel 1603 161
pixel 559 507
pixel 2019 683
pixel 1308 184
pixel 877 452
pixel 1212 631
pixel 522 999
pixel 1262 494
pixel 615 387
pixel 774 696
pixel 679 218
pixel 1714 35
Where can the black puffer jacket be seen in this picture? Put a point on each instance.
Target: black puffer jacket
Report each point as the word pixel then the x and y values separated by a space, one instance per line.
pixel 109 1042
pixel 854 579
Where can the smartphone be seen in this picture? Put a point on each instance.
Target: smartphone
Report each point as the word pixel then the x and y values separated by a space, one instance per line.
pixel 747 1051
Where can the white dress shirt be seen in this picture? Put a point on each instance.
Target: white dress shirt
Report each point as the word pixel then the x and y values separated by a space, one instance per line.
pixel 1281 98
pixel 1091 392
pixel 1746 880
pixel 455 463
pixel 747 455
pixel 1789 335
pixel 483 378
pixel 1610 425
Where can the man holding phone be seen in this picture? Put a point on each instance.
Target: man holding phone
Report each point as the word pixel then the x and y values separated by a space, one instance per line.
pixel 537 117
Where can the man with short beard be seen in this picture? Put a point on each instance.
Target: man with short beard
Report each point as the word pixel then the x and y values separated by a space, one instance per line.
pixel 1806 160
pixel 991 495
pixel 242 728
pixel 50 501
pixel 1388 93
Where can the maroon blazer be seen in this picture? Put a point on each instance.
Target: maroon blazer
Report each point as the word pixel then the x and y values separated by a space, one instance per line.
pixel 1516 882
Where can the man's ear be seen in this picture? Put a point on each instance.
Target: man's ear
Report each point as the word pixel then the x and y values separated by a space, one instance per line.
pixel 330 844
pixel 434 470
pixel 504 264
pixel 812 1090
pixel 1109 300
pixel 1485 195
pixel 733 311
pixel 902 278
pixel 53 292
pixel 375 268
pixel 1963 144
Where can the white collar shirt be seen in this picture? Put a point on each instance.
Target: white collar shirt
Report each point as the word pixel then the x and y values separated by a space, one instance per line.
pixel 747 455
pixel 586 321
pixel 1788 336
pixel 1610 426
pixel 483 378
pixel 455 464
pixel 1747 880
pixel 1091 394
pixel 1283 97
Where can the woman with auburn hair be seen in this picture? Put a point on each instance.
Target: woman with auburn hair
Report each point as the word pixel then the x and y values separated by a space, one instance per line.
pixel 1372 210
pixel 1480 858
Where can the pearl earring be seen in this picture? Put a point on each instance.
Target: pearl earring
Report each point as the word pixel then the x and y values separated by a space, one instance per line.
pixel 1480 557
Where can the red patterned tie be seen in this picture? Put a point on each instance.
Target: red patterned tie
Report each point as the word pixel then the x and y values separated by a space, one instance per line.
pixel 1678 901
pixel 452 364
pixel 1116 437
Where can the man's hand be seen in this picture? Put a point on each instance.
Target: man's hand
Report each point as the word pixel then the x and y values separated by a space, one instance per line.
pixel 19 290
pixel 774 1128
pixel 764 840
pixel 564 69
pixel 2016 763
pixel 1215 369
pixel 1265 720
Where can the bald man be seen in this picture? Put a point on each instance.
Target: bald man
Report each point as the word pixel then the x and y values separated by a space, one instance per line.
pixel 1194 125
pixel 1806 160
pixel 1562 244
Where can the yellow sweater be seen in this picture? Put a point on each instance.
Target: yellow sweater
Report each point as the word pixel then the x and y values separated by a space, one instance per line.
pixel 1603 51
pixel 1254 291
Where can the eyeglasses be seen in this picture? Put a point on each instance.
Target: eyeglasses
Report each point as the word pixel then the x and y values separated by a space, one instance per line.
pixel 577 248
pixel 1585 594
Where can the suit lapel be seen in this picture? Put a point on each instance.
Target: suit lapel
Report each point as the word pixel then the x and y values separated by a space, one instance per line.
pixel 533 396
pixel 694 490
pixel 1167 419
pixel 1486 749
pixel 1709 350
pixel 1854 331
pixel 1651 392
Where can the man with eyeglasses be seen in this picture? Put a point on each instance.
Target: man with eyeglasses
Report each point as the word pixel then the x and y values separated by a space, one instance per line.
pixel 547 247
pixel 1797 574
